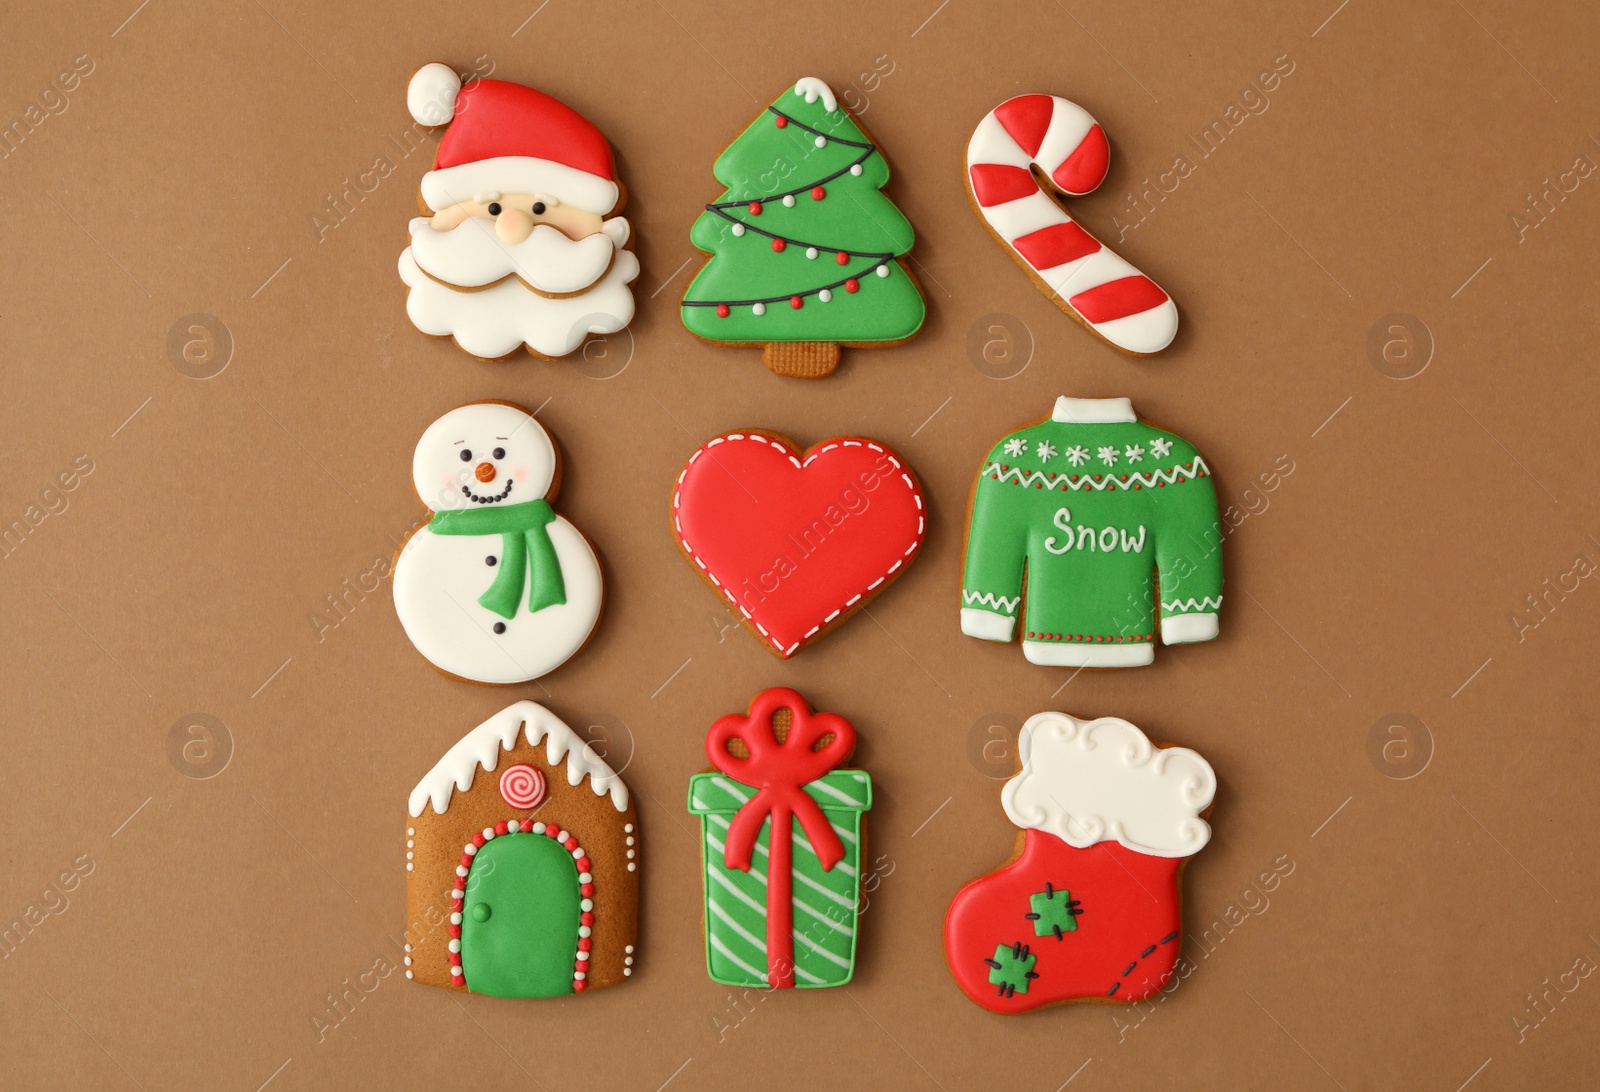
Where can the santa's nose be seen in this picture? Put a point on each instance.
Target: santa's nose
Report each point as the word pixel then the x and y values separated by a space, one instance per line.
pixel 484 472
pixel 513 226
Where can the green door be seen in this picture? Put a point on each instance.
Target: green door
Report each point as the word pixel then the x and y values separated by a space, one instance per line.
pixel 519 929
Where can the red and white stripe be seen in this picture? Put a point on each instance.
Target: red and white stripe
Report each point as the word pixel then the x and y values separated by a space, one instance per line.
pixel 1087 278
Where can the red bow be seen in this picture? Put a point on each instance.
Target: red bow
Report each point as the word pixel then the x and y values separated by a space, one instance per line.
pixel 780 771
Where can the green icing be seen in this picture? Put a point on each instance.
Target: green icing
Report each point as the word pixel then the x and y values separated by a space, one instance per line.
pixel 767 162
pixel 1051 911
pixel 519 936
pixel 524 542
pixel 1011 968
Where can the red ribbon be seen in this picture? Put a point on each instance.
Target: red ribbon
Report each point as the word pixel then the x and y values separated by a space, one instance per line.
pixel 780 772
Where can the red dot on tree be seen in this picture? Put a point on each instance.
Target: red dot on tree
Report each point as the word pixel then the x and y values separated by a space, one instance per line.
pixel 852 285
pixel 794 301
pixel 722 310
pixel 841 257
pixel 755 208
pixel 818 193
pixel 782 121
pixel 777 245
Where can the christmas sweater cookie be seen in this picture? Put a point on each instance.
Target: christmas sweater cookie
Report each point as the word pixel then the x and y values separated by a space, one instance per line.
pixel 782 845
pixel 495 588
pixel 1089 906
pixel 1100 516
pixel 1026 150
pixel 796 542
pixel 519 245
pixel 807 254
pixel 522 864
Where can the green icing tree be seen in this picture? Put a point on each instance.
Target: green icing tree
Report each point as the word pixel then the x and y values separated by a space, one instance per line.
pixel 803 243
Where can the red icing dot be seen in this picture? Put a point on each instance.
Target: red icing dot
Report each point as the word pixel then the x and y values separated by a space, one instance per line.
pixel 500 828
pixel 571 844
pixel 578 984
pixel 782 121
pixel 455 930
pixel 818 193
pixel 755 208
pixel 841 257
pixel 588 890
pixel 777 245
pixel 553 831
pixel 583 944
pixel 477 840
pixel 583 864
pixel 794 301
pixel 466 860
pixel 586 918
pixel 852 285
pixel 722 310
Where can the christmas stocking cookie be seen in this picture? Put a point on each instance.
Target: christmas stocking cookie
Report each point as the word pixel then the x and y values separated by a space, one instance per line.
pixel 806 251
pixel 1087 909
pixel 520 243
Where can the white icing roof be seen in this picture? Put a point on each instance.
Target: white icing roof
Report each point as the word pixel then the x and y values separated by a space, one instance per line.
pixel 1103 780
pixel 482 747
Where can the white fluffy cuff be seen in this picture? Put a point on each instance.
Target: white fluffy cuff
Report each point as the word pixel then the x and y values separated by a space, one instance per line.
pixel 1184 629
pixel 986 624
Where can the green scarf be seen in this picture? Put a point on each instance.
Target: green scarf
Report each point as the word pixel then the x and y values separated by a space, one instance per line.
pixel 521 528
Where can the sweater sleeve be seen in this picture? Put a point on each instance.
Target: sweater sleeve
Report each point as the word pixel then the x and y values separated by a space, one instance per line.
pixel 991 585
pixel 1189 559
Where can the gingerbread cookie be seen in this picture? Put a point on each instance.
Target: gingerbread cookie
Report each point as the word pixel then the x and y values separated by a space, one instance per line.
pixel 807 254
pixel 519 245
pixel 796 542
pixel 495 588
pixel 782 845
pixel 1088 908
pixel 1102 516
pixel 522 864
pixel 1036 141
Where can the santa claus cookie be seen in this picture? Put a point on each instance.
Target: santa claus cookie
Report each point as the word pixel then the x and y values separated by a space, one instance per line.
pixel 519 245
pixel 1026 150
pixel 522 864
pixel 796 542
pixel 495 588
pixel 807 254
pixel 1088 907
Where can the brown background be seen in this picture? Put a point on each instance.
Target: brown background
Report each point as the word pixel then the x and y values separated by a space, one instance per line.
pixel 1374 583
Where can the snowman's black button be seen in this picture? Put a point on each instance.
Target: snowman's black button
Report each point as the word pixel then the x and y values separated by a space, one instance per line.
pixel 499 627
pixel 490 560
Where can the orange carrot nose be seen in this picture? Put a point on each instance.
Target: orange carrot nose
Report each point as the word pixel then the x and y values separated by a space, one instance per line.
pixel 484 472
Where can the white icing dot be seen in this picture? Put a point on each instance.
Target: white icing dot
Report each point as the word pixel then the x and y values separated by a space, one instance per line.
pixel 584 877
pixel 629 841
pixel 583 957
pixel 408 961
pixel 627 828
pixel 408 974
pixel 822 142
pixel 461 870
pixel 408 947
pixel 788 200
pixel 759 309
pixel 630 866
pixel 811 252
pixel 630 854
pixel 488 833
pixel 455 971
pixel 584 930
pixel 410 831
pixel 410 844
pixel 577 853
pixel 470 850
pixel 455 919
pixel 625 971
pixel 883 271
pixel 856 170
pixel 824 295
pixel 580 975
pixel 628 948
pixel 586 905
pixel 457 893
pixel 627 960
pixel 538 828
pixel 455 944
pixel 409 866
pixel 738 229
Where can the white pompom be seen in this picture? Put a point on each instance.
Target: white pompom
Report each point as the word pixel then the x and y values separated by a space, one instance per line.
pixel 431 95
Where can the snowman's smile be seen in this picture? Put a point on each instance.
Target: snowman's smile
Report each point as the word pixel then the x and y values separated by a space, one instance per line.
pixel 500 496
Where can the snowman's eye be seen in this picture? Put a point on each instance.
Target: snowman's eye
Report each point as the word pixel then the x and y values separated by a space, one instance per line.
pixel 466 455
pixel 499 453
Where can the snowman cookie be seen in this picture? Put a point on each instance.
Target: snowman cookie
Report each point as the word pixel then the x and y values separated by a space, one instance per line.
pixel 496 588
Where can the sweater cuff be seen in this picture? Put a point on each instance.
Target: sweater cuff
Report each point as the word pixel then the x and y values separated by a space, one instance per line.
pixel 986 624
pixel 1183 629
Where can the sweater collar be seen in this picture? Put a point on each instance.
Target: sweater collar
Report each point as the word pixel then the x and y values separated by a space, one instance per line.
pixel 1093 411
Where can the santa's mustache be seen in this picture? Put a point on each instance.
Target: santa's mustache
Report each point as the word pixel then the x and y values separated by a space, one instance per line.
pixel 472 255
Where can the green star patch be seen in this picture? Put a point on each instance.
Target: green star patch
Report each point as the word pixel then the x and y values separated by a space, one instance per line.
pixel 1053 912
pixel 1011 968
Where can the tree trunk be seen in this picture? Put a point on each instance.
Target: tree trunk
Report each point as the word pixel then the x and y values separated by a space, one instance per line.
pixel 801 359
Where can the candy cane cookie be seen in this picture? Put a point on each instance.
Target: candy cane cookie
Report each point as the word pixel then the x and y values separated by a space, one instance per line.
pixel 1031 140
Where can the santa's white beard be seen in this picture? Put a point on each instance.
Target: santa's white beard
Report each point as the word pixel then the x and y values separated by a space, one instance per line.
pixel 494 322
pixel 472 255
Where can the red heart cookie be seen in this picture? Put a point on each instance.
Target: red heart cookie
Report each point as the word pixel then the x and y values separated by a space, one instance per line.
pixel 796 542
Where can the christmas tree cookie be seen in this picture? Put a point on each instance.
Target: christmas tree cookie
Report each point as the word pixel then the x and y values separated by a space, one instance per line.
pixel 1088 906
pixel 806 251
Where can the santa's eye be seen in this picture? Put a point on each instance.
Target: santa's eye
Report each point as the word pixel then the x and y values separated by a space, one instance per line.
pixel 499 453
pixel 466 455
pixel 494 208
pixel 538 208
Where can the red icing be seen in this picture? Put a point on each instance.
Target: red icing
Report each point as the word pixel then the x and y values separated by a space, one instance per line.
pixel 1055 245
pixel 852 285
pixel 795 546
pixel 1119 299
pixel 1027 119
pixel 780 771
pixel 755 208
pixel 1086 167
pixel 794 301
pixel 841 257
pixel 777 246
pixel 782 122
pixel 497 111
pixel 1130 903
pixel 997 183
pixel 818 193
pixel 722 310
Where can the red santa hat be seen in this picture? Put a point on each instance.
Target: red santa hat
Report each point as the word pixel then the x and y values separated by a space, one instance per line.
pixel 506 138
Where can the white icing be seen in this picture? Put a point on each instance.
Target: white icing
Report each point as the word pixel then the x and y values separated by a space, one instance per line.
pixel 438 578
pixel 518 174
pixel 811 89
pixel 472 255
pixel 1103 780
pixel 431 94
pixel 1075 654
pixel 1093 411
pixel 1183 629
pixel 987 625
pixel 483 746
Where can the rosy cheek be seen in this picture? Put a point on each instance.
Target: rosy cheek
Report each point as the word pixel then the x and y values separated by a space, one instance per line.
pixel 519 474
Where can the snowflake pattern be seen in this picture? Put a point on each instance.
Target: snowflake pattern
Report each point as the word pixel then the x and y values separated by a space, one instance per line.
pixel 1134 452
pixel 1077 454
pixel 1108 455
pixel 1046 451
pixel 1160 448
pixel 1015 446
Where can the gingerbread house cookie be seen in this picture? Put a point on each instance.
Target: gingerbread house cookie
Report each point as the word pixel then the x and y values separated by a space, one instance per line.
pixel 522 863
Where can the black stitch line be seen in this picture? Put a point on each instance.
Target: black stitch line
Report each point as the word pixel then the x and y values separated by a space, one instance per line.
pixel 1169 938
pixel 1131 966
pixel 1113 988
pixel 1146 953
